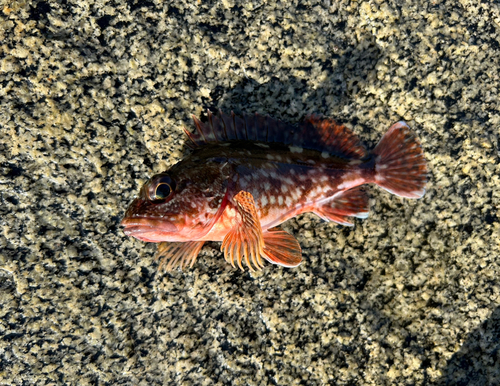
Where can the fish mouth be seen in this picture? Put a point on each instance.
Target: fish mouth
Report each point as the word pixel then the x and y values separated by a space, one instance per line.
pixel 147 229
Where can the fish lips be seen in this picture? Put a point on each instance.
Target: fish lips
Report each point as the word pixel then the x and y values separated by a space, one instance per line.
pixel 148 229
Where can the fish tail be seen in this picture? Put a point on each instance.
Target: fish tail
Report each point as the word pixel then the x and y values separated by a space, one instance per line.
pixel 400 166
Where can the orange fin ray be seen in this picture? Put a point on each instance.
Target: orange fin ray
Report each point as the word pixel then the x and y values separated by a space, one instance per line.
pixel 282 248
pixel 400 165
pixel 245 240
pixel 172 255
pixel 353 202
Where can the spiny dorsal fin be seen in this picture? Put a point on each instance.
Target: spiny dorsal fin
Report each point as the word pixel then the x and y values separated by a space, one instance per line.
pixel 322 134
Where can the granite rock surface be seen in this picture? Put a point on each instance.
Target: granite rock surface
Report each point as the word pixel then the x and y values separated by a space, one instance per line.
pixel 93 98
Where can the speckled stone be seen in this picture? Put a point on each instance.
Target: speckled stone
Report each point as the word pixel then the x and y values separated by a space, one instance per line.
pixel 93 97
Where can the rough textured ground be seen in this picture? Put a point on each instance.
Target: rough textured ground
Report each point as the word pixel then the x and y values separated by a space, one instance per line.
pixel 93 96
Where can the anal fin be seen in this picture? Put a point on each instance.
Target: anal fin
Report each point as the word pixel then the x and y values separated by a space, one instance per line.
pixel 353 202
pixel 172 255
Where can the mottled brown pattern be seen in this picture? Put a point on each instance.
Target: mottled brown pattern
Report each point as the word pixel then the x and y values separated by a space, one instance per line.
pixel 237 174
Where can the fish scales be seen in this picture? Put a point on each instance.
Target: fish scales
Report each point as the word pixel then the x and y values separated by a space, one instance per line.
pixel 282 182
pixel 240 182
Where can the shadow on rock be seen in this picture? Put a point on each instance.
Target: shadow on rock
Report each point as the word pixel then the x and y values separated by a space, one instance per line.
pixel 291 98
pixel 477 363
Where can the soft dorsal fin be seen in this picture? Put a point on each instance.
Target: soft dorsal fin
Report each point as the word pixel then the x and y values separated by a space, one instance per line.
pixel 327 135
pixel 322 134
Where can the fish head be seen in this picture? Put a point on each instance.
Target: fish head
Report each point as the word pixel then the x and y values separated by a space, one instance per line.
pixel 176 206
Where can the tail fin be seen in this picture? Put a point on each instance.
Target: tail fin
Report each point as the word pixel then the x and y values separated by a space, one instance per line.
pixel 400 166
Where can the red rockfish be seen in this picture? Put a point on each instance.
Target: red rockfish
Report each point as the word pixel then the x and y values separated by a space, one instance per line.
pixel 247 175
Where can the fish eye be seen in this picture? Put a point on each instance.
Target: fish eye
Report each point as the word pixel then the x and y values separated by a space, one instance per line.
pixel 160 188
pixel 162 191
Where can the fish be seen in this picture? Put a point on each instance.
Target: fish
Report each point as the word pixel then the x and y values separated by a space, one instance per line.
pixel 248 174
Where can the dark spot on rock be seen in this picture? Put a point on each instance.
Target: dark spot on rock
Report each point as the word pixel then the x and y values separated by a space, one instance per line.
pixel 40 10
pixel 139 4
pixel 490 218
pixel 12 200
pixel 104 21
pixel 15 171
pixel 468 228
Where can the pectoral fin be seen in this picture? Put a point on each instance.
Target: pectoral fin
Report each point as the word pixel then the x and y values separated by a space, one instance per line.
pixel 353 202
pixel 245 239
pixel 178 254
